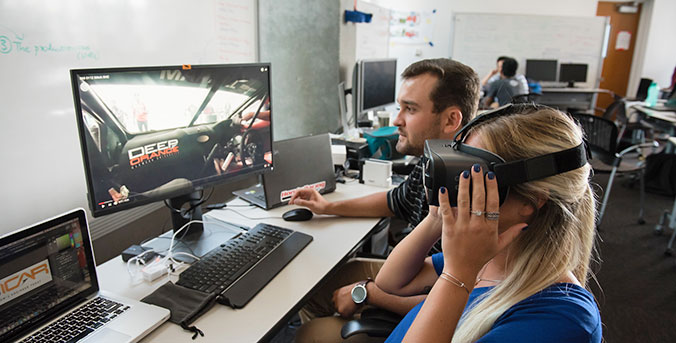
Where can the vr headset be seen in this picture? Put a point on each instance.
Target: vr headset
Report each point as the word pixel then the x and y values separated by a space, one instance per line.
pixel 446 159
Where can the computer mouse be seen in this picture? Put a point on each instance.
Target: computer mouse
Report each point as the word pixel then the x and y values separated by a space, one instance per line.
pixel 297 215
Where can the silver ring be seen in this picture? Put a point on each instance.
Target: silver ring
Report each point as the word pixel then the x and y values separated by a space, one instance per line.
pixel 492 215
pixel 477 213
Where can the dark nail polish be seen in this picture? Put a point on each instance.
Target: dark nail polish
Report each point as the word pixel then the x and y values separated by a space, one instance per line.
pixel 525 228
pixel 477 168
pixel 443 190
pixel 465 174
pixel 491 175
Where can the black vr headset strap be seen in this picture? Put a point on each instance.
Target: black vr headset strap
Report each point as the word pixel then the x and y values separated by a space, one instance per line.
pixel 500 111
pixel 539 167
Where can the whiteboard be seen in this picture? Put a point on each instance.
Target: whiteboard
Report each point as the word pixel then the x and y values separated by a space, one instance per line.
pixel 40 41
pixel 479 39
pixel 372 39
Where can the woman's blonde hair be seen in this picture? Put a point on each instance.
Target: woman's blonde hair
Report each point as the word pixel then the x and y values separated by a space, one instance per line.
pixel 561 235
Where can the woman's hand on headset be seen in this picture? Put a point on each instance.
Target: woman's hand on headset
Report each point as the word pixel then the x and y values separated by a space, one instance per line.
pixel 469 240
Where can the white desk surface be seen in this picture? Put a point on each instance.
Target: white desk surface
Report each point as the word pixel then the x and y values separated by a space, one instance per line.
pixel 668 116
pixel 334 237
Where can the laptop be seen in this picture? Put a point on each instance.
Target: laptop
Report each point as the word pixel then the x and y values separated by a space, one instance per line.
pixel 303 162
pixel 49 290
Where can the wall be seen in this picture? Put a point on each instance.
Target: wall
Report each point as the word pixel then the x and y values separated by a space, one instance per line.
pixel 655 53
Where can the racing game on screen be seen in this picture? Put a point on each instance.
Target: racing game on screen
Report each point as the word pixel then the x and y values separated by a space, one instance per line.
pixel 151 133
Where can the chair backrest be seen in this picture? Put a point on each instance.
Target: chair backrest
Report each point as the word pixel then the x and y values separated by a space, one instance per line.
pixel 601 136
pixel 643 86
pixel 526 98
pixel 617 112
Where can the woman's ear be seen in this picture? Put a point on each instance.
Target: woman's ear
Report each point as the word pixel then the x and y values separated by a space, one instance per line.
pixel 526 210
pixel 529 208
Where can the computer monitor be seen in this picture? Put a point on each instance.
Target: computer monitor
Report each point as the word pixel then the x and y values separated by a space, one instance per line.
pixel 167 132
pixel 541 70
pixel 374 84
pixel 572 72
pixel 342 105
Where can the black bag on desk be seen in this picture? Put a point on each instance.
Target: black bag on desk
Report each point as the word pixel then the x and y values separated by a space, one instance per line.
pixel 660 174
pixel 186 305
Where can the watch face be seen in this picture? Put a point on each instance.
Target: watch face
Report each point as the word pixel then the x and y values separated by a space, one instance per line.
pixel 359 294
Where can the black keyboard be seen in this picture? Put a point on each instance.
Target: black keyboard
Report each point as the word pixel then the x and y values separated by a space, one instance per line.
pixel 239 268
pixel 79 323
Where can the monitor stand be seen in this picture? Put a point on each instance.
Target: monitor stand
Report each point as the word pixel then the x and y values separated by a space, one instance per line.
pixel 197 239
pixel 571 84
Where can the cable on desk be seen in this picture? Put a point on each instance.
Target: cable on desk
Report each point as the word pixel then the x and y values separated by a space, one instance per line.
pixel 169 260
pixel 250 218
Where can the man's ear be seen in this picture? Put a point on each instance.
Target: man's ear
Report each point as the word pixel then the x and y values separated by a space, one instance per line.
pixel 452 117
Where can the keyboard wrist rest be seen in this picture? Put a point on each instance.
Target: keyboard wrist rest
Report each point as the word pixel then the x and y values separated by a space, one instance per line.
pixel 255 279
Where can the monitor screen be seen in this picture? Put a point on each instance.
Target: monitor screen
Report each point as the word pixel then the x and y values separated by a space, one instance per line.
pixel 541 70
pixel 573 72
pixel 153 133
pixel 377 83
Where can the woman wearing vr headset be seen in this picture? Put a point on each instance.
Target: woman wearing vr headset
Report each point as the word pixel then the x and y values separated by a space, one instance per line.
pixel 515 272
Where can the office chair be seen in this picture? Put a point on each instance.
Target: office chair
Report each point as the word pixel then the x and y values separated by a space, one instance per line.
pixel 601 134
pixel 628 133
pixel 374 322
pixel 526 98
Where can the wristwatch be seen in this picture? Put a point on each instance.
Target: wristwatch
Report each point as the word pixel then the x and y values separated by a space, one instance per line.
pixel 359 293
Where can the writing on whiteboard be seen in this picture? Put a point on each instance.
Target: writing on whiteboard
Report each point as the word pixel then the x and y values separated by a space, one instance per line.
pixel 17 45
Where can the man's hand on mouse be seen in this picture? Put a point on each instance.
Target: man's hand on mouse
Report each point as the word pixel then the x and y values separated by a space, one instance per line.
pixel 311 199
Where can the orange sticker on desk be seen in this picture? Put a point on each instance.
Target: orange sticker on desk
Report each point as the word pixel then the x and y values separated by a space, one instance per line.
pixel 187 67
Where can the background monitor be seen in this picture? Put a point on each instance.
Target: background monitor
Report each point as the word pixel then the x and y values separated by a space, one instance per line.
pixel 541 70
pixel 572 72
pixel 375 85
pixel 154 133
pixel 342 105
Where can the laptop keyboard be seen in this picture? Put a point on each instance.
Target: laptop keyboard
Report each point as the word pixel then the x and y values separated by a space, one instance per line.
pixel 33 306
pixel 79 323
pixel 242 266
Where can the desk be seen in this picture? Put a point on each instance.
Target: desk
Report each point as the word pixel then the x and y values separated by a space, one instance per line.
pixel 565 98
pixel 335 238
pixel 668 118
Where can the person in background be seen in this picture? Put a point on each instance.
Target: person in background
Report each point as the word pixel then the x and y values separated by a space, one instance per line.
pixel 516 272
pixel 140 113
pixel 494 75
pixel 506 87
pixel 437 97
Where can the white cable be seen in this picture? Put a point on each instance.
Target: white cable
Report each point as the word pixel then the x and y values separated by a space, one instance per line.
pixel 170 254
pixel 251 218
pixel 136 259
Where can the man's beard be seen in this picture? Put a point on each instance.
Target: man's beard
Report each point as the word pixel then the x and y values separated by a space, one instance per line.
pixel 407 149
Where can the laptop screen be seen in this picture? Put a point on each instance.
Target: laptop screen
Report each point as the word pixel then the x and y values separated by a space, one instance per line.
pixel 43 270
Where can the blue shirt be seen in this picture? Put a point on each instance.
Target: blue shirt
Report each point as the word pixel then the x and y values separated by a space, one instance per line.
pixel 562 312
